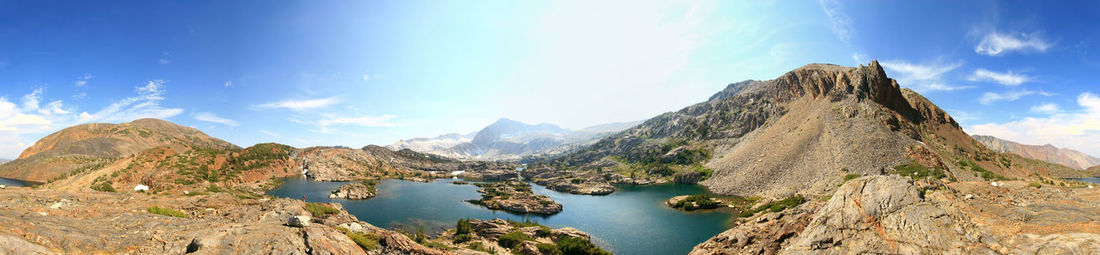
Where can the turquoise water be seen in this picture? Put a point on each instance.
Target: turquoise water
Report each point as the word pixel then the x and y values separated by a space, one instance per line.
pixel 633 220
pixel 1090 179
pixel 14 182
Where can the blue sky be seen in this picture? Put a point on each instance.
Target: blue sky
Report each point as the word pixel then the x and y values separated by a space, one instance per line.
pixel 371 72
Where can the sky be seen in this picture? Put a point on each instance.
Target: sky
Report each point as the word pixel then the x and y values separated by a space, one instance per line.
pixel 352 73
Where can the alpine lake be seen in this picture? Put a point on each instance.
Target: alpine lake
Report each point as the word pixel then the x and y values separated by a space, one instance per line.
pixel 632 220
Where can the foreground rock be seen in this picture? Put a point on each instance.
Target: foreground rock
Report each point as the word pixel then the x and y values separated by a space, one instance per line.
pixel 894 215
pixel 516 197
pixel 110 223
pixel 499 236
pixel 355 191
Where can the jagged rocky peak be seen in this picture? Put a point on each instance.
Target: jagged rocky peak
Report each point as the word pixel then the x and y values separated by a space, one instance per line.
pixel 833 81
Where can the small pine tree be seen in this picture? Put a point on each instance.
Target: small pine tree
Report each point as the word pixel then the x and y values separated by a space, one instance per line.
pixel 419 234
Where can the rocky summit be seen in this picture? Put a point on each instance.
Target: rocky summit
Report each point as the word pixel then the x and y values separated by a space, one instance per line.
pixel 801 132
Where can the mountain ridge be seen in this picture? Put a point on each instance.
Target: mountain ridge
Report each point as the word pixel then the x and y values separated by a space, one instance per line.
pixel 1050 153
pixel 800 132
pixel 508 139
pixel 94 143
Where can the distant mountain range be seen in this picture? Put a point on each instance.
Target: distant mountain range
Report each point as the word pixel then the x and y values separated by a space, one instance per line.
pixel 1049 153
pixel 508 139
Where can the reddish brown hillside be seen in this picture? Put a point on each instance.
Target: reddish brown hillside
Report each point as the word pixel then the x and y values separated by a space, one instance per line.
pixel 93 144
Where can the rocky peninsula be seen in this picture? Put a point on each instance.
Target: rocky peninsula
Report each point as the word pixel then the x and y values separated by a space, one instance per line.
pixel 514 196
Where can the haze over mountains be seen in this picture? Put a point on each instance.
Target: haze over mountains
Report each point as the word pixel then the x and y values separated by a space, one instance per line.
pixel 1049 153
pixel 508 139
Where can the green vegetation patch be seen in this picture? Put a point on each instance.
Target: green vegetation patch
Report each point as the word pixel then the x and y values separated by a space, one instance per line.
pixel 320 210
pixel 1035 185
pixel 104 184
pixel 917 171
pixel 166 212
pixel 367 241
pixel 980 171
pixel 525 223
pixel 511 239
pixel 775 206
pixel 478 246
pixel 573 245
pixel 463 227
pixel 849 177
pixel 693 202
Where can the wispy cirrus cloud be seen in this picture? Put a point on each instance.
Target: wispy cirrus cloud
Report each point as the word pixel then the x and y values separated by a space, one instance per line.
pixel 989 98
pixel 1046 108
pixel 842 23
pixel 923 77
pixel 996 44
pixel 83 80
pixel 298 104
pixel 145 105
pixel 1077 129
pixel 1006 78
pixel 214 118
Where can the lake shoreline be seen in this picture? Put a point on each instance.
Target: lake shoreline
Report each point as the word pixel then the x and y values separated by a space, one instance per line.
pixel 612 220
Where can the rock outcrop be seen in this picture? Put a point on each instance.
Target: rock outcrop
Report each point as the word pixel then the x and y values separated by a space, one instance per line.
pixel 355 191
pixel 100 222
pixel 894 215
pixel 514 196
pixel 510 237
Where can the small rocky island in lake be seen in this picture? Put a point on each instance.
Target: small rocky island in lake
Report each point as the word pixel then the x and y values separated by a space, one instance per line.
pixel 356 190
pixel 514 196
pixel 694 202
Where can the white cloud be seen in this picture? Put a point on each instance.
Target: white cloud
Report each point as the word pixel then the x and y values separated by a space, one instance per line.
pixel 860 58
pixel 30 101
pixel 842 23
pixel 1007 79
pixel 1077 129
pixel 83 80
pixel 164 61
pixel 366 77
pixel 214 118
pixel 298 105
pixel 145 105
pixel 991 97
pixel 364 121
pixel 228 83
pixel 923 77
pixel 995 44
pixel 1047 108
